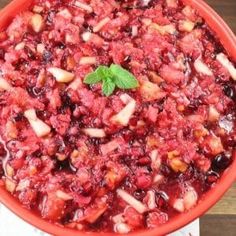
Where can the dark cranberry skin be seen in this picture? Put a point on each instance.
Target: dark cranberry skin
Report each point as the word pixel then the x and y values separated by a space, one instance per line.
pixel 2 54
pixel 2 150
pixel 139 194
pixel 229 91
pixel 221 162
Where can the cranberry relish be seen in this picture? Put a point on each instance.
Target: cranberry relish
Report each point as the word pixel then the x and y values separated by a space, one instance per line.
pixel 124 162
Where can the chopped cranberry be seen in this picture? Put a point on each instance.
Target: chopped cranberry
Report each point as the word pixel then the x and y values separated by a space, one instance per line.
pixel 131 160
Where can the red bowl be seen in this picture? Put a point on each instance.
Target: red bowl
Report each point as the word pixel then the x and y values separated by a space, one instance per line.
pixel 228 40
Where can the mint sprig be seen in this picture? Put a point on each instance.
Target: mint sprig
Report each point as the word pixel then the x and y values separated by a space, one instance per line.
pixel 112 77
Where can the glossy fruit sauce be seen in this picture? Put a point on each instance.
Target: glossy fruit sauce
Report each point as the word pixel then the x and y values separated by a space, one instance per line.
pixel 128 161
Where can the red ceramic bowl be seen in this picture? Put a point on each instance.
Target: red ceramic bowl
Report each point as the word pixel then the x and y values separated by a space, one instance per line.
pixel 228 39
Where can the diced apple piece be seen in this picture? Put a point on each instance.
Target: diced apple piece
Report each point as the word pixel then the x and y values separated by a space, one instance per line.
pixel 23 184
pixel 121 228
pixel 101 24
pixel 64 196
pixel 156 160
pixel 65 13
pixel 222 58
pixel 214 144
pixel 202 68
pixel 37 23
pixel 137 205
pixel 88 61
pixel 95 213
pixel 111 146
pixel 118 218
pixel 20 46
pixel 172 3
pixel 151 200
pixel 123 117
pixel 95 133
pixel 125 98
pixel 150 91
pixel 37 9
pixel 179 205
pixel 190 199
pixel 163 29
pixel 213 114
pixel 158 179
pixel 186 25
pixel 40 48
pixel 86 36
pixel 61 76
pixel 4 85
pixel 40 128
pixel 84 6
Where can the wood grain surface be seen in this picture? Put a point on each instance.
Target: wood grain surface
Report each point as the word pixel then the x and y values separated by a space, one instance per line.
pixel 221 219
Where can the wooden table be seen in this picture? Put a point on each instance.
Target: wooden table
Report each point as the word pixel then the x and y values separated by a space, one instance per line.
pixel 221 219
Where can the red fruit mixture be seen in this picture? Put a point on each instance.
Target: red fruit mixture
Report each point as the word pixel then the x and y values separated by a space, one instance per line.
pixel 125 162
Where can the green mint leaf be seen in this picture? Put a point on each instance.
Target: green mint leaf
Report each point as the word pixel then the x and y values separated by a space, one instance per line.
pixel 108 86
pixel 123 78
pixel 92 78
pixel 103 72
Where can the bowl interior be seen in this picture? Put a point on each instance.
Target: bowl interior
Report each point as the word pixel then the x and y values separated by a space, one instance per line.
pixel 228 40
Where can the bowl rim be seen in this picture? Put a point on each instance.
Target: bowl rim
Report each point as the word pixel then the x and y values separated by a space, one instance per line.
pixel 228 40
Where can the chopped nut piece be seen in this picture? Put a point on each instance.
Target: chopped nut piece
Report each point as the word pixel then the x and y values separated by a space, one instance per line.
pixel 10 185
pixel 61 76
pixel 9 170
pixel 177 165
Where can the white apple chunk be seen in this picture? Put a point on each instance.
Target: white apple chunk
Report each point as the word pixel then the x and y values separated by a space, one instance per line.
pixel 40 128
pixel 61 76
pixel 123 117
pixel 224 61
pixel 137 205
pixel 95 133
pixel 202 68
